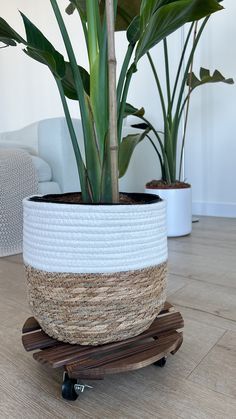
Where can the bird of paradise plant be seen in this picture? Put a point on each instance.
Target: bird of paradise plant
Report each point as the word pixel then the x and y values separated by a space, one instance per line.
pixel 175 104
pixel 147 22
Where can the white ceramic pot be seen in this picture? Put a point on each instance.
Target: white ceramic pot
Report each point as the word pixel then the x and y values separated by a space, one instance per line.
pixel 179 210
pixel 95 273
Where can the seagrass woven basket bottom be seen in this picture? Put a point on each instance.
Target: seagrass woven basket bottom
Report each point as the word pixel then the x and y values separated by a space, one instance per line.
pixel 94 309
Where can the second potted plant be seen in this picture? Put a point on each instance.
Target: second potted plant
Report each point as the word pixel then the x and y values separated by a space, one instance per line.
pixel 169 143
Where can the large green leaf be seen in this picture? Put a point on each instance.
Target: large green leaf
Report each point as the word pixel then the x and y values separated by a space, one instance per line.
pixel 37 42
pixel 168 18
pixel 8 35
pixel 68 82
pixel 205 78
pixel 126 150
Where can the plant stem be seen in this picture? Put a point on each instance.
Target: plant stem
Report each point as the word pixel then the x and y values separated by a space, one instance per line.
pixel 157 151
pixel 113 139
pixel 167 73
pixel 71 55
pixel 124 98
pixel 181 64
pixel 179 107
pixel 85 186
pixel 154 131
pixel 188 103
pixel 167 149
pixel 92 31
pixel 158 85
pixel 165 159
pixel 189 64
pixel 91 152
pixel 123 72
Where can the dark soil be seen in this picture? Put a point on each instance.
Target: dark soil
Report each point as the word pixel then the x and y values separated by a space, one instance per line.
pixel 76 198
pixel 161 184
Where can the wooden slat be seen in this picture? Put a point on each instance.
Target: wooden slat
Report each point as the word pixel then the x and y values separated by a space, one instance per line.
pixel 65 353
pixel 30 325
pixel 125 353
pixel 38 340
pixel 133 361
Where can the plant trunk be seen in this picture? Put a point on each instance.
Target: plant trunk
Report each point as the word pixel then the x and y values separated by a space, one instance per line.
pixel 113 138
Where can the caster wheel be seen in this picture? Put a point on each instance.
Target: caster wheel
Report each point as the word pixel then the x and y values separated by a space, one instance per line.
pixel 68 390
pixel 161 362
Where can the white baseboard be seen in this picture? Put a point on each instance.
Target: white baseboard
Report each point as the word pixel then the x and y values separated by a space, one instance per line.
pixel 215 209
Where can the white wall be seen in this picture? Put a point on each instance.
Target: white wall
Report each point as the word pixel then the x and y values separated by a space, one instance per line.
pixel 28 94
pixel 210 163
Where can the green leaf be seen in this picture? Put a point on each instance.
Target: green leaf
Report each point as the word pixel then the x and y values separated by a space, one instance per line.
pixel 70 9
pixel 170 17
pixel 127 10
pixel 68 82
pixel 77 4
pixel 38 42
pixel 206 78
pixel 134 31
pixel 142 125
pixel 42 57
pixel 126 150
pixel 148 7
pixel 8 42
pixel 8 35
pixel 131 110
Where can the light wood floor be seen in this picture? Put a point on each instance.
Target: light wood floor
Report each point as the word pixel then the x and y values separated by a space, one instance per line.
pixel 198 382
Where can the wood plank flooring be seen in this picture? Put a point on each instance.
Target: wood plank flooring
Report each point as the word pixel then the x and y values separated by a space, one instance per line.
pixel 198 382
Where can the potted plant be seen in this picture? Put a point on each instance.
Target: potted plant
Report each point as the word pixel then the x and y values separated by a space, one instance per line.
pixel 169 143
pixel 95 273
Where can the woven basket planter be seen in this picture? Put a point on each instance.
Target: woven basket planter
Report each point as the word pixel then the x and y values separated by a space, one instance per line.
pixel 95 273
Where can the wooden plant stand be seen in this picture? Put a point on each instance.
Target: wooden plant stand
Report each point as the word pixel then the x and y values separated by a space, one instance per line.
pixel 94 362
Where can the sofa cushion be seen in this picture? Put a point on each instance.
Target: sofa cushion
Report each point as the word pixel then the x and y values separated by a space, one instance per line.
pixel 12 145
pixel 43 169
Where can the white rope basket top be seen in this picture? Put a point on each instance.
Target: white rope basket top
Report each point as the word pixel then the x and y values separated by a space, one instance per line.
pixel 94 238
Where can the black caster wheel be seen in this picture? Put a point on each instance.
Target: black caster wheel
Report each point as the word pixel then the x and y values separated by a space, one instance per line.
pixel 161 362
pixel 68 388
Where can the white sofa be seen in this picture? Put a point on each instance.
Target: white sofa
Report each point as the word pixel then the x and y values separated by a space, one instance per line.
pixel 37 159
pixel 49 145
